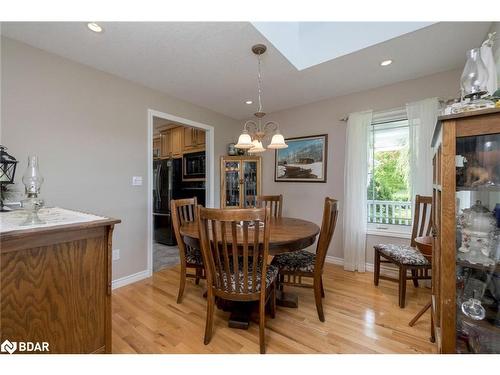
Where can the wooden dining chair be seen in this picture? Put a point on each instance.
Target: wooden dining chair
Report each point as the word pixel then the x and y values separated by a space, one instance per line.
pixel 407 258
pixel 293 266
pixel 235 247
pixel 274 202
pixel 185 210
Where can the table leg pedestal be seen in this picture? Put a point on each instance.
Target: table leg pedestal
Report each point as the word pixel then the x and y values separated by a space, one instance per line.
pixel 287 299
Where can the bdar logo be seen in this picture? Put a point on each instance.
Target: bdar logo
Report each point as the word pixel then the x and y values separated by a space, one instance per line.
pixel 8 347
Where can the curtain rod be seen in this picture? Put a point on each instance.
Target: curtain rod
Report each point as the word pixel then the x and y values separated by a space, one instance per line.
pixel 346 117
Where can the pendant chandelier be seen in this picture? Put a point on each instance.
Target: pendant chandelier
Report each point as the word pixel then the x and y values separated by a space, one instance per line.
pixel 254 132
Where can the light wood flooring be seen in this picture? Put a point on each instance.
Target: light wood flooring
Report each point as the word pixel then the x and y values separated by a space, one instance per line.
pixel 360 318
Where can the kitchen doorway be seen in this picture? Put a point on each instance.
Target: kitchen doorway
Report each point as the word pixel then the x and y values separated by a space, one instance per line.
pixel 180 165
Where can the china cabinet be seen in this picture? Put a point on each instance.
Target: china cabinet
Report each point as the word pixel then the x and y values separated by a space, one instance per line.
pixel 466 221
pixel 240 181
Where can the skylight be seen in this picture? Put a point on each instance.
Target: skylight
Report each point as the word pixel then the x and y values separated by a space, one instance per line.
pixel 306 44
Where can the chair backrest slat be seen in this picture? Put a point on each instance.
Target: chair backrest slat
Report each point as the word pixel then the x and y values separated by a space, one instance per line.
pixel 235 251
pixel 179 210
pixel 274 202
pixel 422 218
pixel 328 224
pixel 255 255
pixel 245 257
pixel 225 254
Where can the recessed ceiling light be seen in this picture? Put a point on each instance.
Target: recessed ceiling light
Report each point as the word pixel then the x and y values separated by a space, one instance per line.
pixel 386 62
pixel 94 27
pixel 249 102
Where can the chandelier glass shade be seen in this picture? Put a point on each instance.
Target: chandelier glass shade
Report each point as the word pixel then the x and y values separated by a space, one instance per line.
pixel 254 132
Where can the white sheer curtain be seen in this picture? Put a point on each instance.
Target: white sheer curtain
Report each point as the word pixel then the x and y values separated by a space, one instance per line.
pixel 355 185
pixel 422 116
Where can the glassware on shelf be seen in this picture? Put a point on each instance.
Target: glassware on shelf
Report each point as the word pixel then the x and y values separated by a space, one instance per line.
pixel 32 180
pixel 474 77
pixel 477 226
pixel 473 308
pixel 477 160
pixel 494 289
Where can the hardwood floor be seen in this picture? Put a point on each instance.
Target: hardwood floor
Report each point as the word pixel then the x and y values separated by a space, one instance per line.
pixel 360 318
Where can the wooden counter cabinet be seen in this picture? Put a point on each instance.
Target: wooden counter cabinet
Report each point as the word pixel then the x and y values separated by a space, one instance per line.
pixel 55 285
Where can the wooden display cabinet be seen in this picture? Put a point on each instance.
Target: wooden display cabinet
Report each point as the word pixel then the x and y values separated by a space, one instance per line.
pixel 466 189
pixel 240 181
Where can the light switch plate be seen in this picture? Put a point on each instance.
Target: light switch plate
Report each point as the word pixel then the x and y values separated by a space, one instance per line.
pixel 137 181
pixel 116 254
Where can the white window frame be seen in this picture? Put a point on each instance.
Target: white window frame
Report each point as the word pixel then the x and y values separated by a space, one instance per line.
pixel 389 230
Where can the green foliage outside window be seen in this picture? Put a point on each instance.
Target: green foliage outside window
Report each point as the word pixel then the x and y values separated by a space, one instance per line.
pixel 390 181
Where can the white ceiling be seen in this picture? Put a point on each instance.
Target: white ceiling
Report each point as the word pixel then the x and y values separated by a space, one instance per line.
pixel 211 64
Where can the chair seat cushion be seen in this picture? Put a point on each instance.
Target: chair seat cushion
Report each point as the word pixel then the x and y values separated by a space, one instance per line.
pixel 301 261
pixel 403 254
pixel 193 256
pixel 271 274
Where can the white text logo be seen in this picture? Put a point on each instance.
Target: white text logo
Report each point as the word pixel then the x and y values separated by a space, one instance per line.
pixel 24 346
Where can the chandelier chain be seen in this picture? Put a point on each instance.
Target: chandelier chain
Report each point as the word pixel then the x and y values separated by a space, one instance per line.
pixel 259 82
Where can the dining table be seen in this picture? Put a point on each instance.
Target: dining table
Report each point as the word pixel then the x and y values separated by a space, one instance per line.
pixel 286 234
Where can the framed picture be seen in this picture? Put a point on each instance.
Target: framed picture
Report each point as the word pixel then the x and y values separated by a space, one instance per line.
pixel 303 161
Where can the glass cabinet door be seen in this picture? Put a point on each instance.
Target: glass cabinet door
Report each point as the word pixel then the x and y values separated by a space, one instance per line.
pixel 477 244
pixel 232 183
pixel 250 183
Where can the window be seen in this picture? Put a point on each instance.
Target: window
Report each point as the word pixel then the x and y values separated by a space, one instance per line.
pixel 389 190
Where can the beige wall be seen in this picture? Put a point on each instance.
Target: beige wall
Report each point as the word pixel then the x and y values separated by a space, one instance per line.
pixel 89 129
pixel 305 200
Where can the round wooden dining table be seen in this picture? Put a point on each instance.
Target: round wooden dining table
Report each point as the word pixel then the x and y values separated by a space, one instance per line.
pixel 286 234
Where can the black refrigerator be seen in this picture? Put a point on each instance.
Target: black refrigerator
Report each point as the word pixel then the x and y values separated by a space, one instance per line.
pixel 167 180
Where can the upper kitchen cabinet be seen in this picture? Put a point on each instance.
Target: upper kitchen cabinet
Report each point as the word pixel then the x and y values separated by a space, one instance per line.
pixel 194 140
pixel 156 146
pixel 177 141
pixel 171 141
pixel 166 143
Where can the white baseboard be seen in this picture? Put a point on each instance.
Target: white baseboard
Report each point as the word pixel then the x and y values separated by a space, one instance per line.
pixel 384 270
pixel 334 260
pixel 118 283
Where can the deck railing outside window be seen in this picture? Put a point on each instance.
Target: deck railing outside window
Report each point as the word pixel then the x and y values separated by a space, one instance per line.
pixel 389 212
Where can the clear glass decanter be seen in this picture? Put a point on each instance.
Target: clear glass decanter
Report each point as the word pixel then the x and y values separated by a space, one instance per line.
pixel 475 75
pixel 32 180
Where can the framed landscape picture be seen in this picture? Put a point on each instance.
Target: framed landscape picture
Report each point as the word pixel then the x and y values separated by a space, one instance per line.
pixel 303 161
